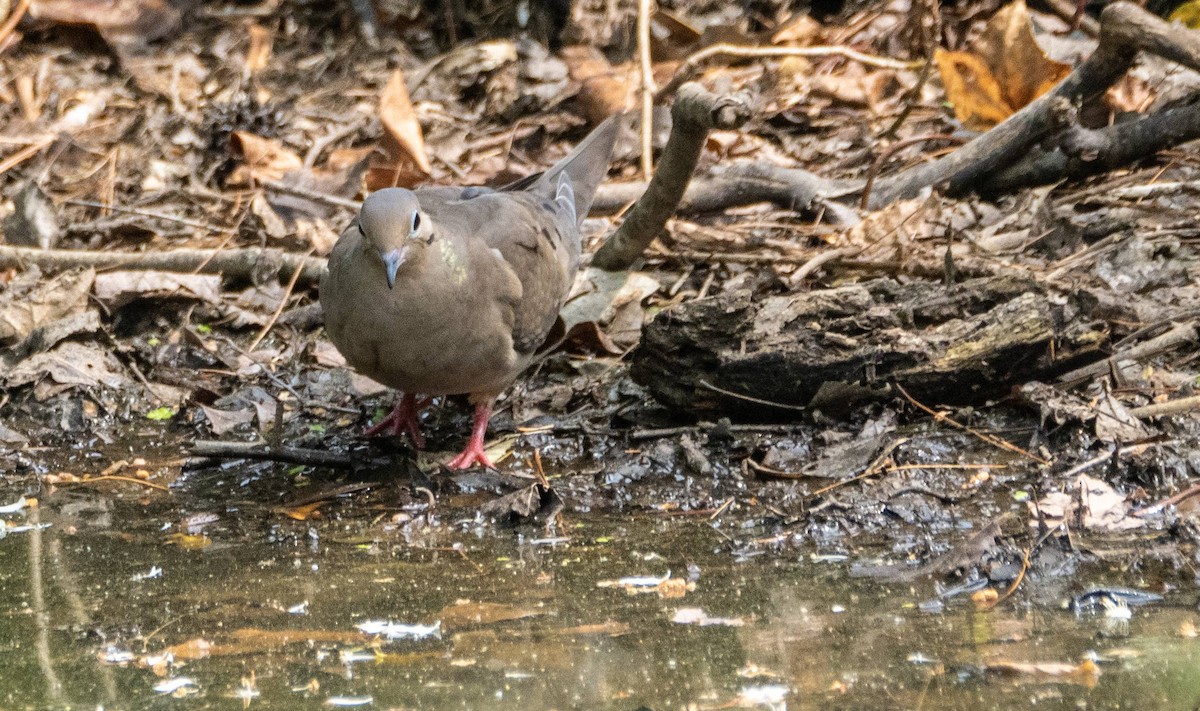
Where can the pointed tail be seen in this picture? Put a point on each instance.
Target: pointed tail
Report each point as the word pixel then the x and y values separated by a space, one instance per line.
pixel 584 168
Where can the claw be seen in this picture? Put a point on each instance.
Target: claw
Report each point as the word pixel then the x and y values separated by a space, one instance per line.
pixel 474 454
pixel 402 420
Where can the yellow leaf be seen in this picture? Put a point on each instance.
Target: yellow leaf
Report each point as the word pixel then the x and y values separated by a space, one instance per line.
pixel 189 542
pixel 302 512
pixel 1003 71
pixel 1187 14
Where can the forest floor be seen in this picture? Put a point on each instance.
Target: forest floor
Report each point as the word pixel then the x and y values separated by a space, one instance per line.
pixel 125 139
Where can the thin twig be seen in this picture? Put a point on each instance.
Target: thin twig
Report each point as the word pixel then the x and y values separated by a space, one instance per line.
pixel 990 439
pixel 279 186
pixel 647 88
pixel 891 150
pixel 747 398
pixel 1171 407
pixel 114 477
pixel 820 260
pixel 288 455
pixel 10 24
pixel 694 62
pixel 929 42
pixel 147 213
pixel 230 263
pixel 287 293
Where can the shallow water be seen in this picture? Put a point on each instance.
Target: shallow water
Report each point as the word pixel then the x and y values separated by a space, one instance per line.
pixel 523 619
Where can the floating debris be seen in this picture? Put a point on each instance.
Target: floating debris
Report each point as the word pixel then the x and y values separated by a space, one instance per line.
pixel 177 686
pixel 398 630
pixel 347 701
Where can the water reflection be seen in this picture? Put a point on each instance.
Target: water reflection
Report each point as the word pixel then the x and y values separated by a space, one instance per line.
pixel 267 615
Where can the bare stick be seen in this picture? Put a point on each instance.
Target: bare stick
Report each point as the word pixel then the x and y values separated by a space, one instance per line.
pixel 10 24
pixel 1182 333
pixel 253 450
pixel 697 60
pixel 1124 30
pixel 231 263
pixel 694 113
pixel 1171 407
pixel 148 213
pixel 282 187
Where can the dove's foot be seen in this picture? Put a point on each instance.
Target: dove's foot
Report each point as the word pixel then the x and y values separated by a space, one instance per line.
pixel 402 420
pixel 474 453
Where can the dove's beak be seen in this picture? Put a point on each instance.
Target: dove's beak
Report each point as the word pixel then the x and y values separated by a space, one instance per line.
pixel 391 263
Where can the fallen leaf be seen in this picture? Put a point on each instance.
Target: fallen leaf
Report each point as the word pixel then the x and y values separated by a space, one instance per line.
pixel 1094 503
pixel 32 301
pixel 160 414
pixel 1003 71
pixel 801 31
pixel 34 219
pixel 69 364
pixel 117 21
pixel 117 289
pixel 1115 424
pixel 189 541
pixel 604 90
pixel 400 124
pixel 261 159
pixel 601 298
pixel 260 48
pixel 222 421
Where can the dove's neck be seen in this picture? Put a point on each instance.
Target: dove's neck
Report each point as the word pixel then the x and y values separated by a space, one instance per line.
pixel 445 256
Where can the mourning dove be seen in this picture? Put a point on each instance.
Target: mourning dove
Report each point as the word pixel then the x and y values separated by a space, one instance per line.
pixel 443 291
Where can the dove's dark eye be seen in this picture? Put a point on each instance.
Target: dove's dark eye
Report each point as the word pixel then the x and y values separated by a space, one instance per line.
pixel 416 222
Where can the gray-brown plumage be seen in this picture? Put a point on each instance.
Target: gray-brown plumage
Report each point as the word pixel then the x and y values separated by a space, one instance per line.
pixel 443 291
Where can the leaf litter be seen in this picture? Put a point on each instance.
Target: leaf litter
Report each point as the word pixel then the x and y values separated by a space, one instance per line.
pixel 221 132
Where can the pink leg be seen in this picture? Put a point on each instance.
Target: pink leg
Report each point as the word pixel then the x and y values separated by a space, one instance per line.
pixel 473 454
pixel 401 420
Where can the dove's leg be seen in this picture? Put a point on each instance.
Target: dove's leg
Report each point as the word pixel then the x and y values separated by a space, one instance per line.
pixel 402 419
pixel 474 454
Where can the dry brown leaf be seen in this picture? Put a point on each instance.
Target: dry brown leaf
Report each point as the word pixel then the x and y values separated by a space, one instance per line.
pixel 400 123
pixel 69 364
pixel 671 36
pixel 188 541
pixel 33 301
pixel 1004 70
pixel 303 512
pixel 116 289
pixel 1094 503
pixel 262 158
pixel 259 52
pixel 603 89
pixel 801 31
pixel 1130 94
pixel 116 20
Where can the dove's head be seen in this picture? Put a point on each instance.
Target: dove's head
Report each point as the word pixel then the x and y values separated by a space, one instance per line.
pixel 395 228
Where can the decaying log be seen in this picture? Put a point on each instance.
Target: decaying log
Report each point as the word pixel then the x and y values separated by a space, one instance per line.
pixel 828 349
